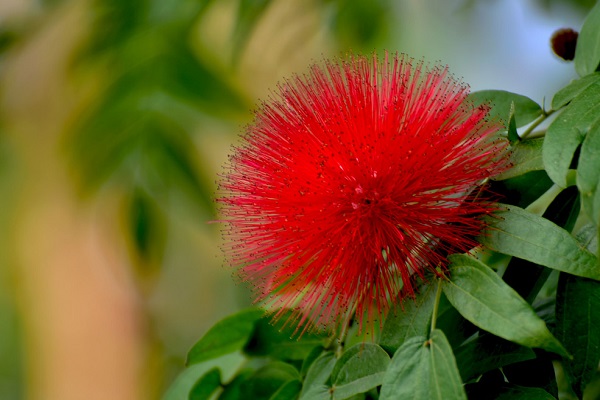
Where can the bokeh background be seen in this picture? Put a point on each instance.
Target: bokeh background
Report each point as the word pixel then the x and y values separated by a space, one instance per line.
pixel 116 117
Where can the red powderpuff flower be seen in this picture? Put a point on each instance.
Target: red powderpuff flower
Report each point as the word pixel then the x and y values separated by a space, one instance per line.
pixel 352 180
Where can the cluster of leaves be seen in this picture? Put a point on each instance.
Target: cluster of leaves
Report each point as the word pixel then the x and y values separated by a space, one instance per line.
pixel 520 320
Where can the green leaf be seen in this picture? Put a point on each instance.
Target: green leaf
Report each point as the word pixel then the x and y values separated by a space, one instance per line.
pixel 410 318
pixel 359 369
pixel 525 109
pixel 514 392
pixel 587 52
pixel 568 131
pixel 233 390
pixel 573 89
pixel 588 173
pixel 578 327
pixel 183 383
pixel 506 391
pixel 268 380
pixel 519 233
pixel 483 298
pixel 488 352
pixel 289 391
pixel 512 133
pixel 275 340
pixel 226 336
pixel 147 227
pixel 527 278
pixel 522 190
pixel 318 374
pixel 525 156
pixel 423 369
pixel 206 385
pixel 310 359
pixel 409 372
pixel 445 378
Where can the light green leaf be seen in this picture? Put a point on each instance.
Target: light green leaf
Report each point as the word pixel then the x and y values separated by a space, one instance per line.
pixel 226 336
pixel 423 369
pixel 587 52
pixel 483 298
pixel 525 156
pixel 578 327
pixel 183 383
pixel 408 372
pixel 519 233
pixel 573 89
pixel 588 173
pixel 358 370
pixel 315 387
pixel 525 109
pixel 446 382
pixel 568 131
pixel 410 318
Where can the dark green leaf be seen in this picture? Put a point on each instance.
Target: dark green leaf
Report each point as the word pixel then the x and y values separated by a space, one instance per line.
pixel 525 156
pixel 226 336
pixel 423 369
pixel 289 391
pixel 522 190
pixel 573 89
pixel 538 372
pixel 587 52
pixel 275 340
pixel 148 225
pixel 310 358
pixel 206 385
pixel 514 392
pixel 315 387
pixel 588 173
pixel 487 352
pixel 496 388
pixel 483 298
pixel 456 328
pixel 526 110
pixel 513 136
pixel 578 327
pixel 268 380
pixel 410 318
pixel 568 131
pixel 519 233
pixel 359 369
pixel 233 390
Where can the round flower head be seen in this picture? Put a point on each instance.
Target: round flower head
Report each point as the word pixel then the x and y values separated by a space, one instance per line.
pixel 351 181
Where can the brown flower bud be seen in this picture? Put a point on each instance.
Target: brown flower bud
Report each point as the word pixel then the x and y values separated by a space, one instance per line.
pixel 564 42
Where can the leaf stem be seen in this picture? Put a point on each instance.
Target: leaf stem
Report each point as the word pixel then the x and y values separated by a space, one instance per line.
pixel 436 304
pixel 536 123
